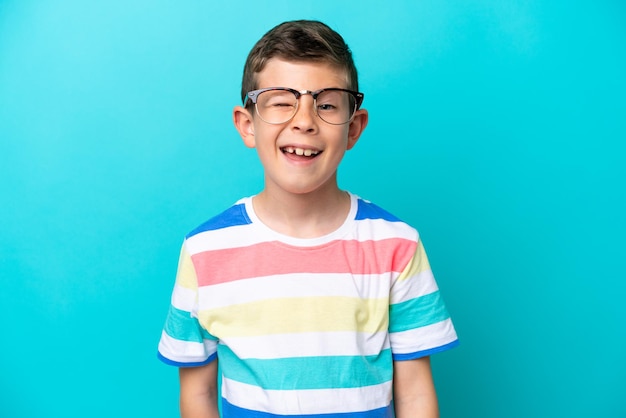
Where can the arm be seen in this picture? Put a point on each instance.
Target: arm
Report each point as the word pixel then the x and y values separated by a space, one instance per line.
pixel 198 391
pixel 414 389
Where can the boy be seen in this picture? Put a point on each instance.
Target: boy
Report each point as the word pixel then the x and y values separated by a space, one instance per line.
pixel 314 301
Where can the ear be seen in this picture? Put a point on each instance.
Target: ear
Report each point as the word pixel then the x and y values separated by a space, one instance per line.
pixel 356 127
pixel 245 125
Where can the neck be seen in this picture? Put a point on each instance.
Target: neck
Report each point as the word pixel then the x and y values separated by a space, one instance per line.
pixel 308 215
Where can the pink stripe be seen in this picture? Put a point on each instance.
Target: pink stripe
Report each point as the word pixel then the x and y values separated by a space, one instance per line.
pixel 271 258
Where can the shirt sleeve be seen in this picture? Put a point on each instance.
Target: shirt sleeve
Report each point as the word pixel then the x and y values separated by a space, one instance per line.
pixel 419 323
pixel 184 343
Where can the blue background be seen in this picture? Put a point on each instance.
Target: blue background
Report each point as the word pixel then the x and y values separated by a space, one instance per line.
pixel 497 128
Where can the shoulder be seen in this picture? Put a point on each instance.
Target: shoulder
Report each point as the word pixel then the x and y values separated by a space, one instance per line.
pixel 369 210
pixel 373 216
pixel 236 215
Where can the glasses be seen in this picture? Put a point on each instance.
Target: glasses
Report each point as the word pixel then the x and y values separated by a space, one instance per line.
pixel 278 105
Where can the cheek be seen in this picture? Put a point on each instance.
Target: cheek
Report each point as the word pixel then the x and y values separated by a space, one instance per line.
pixel 264 135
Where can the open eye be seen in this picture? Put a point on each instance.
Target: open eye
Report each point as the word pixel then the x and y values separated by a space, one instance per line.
pixel 332 101
pixel 327 107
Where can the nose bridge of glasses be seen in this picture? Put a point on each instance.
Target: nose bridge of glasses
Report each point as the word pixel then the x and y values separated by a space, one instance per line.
pixel 299 98
pixel 300 93
pixel 306 92
pixel 304 108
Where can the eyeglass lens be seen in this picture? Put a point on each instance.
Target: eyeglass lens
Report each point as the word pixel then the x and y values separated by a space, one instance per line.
pixel 279 106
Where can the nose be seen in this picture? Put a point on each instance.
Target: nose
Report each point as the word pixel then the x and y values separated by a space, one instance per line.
pixel 305 118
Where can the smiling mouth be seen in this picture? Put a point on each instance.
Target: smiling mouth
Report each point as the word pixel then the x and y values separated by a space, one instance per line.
pixel 302 152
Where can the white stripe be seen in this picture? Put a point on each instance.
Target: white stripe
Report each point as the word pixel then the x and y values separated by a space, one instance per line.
pixel 413 287
pixel 225 238
pixel 424 338
pixel 380 229
pixel 313 401
pixel 185 351
pixel 183 298
pixel 308 345
pixel 295 286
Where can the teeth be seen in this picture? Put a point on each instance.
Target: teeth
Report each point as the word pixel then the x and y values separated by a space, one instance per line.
pixel 301 151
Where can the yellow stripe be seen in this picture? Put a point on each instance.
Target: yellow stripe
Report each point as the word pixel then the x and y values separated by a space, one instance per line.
pixel 418 263
pixel 186 276
pixel 293 315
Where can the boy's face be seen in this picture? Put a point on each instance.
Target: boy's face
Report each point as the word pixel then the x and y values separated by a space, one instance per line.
pixel 302 155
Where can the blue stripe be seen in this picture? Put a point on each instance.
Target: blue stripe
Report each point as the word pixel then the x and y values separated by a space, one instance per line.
pixel 182 326
pixel 231 411
pixel 419 312
pixel 314 372
pixel 234 216
pixel 425 353
pixel 368 210
pixel 192 364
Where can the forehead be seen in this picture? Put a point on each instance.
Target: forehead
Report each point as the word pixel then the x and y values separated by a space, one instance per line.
pixel 301 75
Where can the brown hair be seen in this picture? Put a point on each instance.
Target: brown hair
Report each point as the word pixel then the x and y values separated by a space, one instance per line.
pixel 299 40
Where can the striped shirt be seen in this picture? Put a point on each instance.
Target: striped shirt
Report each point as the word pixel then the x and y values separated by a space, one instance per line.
pixel 305 327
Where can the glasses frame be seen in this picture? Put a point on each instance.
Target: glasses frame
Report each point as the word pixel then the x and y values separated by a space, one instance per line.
pixel 253 95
